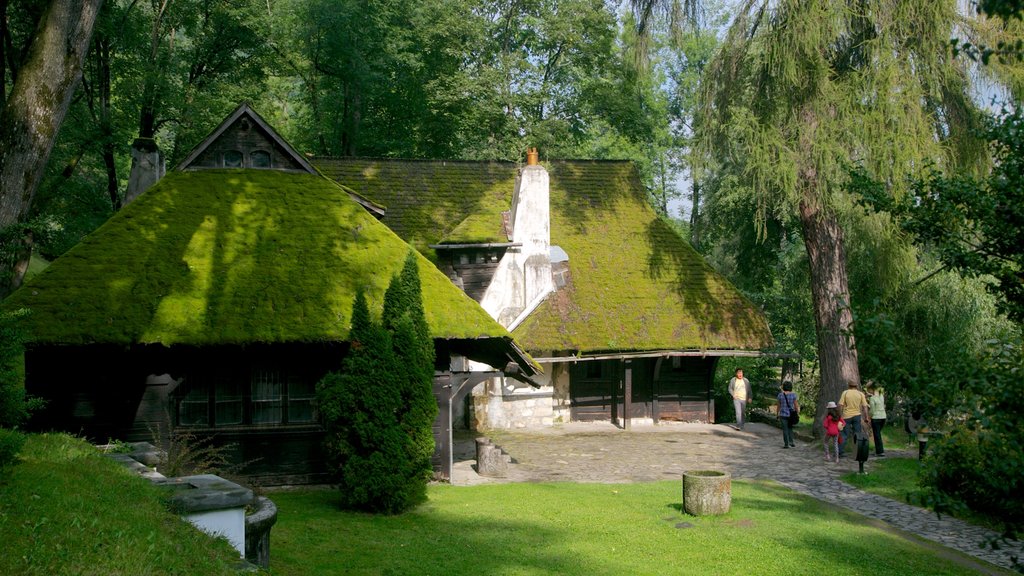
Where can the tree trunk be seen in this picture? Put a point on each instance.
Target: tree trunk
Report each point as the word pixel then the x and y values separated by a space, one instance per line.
pixel 39 100
pixel 21 258
pixel 106 123
pixel 695 217
pixel 823 237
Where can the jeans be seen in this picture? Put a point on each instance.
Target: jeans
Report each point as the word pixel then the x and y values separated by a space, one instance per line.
pixel 852 429
pixel 741 406
pixel 787 432
pixel 876 430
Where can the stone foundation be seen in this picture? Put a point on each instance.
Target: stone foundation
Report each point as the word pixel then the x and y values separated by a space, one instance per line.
pixel 504 404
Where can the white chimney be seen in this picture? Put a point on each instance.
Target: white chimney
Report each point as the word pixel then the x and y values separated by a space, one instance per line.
pixel 523 277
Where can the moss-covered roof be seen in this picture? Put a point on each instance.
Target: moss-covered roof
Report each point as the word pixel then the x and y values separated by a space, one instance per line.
pixel 432 201
pixel 635 283
pixel 233 256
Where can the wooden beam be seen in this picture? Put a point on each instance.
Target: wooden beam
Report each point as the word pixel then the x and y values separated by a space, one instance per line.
pixel 627 400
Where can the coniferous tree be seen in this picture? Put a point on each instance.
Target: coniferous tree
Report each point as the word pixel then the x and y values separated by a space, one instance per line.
pixel 414 350
pixel 378 411
pixel 358 406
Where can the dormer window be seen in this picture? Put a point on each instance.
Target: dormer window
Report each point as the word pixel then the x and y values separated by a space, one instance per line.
pixel 232 159
pixel 260 159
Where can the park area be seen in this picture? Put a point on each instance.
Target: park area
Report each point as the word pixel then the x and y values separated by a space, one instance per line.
pixel 579 499
pixel 402 287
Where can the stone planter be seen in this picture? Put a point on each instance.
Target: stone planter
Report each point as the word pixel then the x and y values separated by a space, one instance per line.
pixel 257 531
pixel 707 492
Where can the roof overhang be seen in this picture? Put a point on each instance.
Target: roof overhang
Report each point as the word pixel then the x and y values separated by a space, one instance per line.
pixel 664 354
pixel 475 245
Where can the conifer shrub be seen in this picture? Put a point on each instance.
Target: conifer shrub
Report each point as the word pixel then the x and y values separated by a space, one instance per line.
pixel 379 409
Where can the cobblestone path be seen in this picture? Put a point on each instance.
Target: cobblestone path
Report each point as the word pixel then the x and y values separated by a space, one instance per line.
pixel 600 452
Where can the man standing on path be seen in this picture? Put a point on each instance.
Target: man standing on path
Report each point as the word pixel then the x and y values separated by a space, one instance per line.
pixel 854 407
pixel 739 389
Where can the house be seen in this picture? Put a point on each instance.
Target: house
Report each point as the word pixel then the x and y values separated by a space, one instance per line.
pixel 626 319
pixel 214 302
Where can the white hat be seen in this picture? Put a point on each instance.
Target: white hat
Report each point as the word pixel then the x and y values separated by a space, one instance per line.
pixel 831 405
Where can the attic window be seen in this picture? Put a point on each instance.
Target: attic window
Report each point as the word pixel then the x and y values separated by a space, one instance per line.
pixel 260 159
pixel 244 125
pixel 232 159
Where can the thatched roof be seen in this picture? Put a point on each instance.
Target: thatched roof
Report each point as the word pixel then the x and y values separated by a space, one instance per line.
pixel 233 256
pixel 636 285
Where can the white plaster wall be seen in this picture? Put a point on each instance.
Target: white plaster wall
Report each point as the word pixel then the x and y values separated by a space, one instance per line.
pixel 229 523
pixel 524 273
pixel 522 279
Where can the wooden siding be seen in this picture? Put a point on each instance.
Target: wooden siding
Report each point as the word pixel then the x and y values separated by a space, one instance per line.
pixel 244 136
pixel 662 389
pixel 594 390
pixel 684 389
pixel 110 392
pixel 471 269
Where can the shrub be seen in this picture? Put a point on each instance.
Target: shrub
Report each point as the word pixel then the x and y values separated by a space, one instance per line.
pixel 11 442
pixel 378 411
pixel 979 463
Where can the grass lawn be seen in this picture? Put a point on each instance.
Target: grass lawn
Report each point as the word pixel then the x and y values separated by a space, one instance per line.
pixel 594 529
pixel 897 478
pixel 66 509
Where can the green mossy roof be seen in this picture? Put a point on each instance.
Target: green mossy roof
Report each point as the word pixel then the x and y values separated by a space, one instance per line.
pixel 233 256
pixel 636 284
pixel 432 201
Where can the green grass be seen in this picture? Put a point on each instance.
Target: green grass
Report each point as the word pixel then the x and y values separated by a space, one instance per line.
pixel 592 529
pixel 897 478
pixel 66 509
pixel 894 478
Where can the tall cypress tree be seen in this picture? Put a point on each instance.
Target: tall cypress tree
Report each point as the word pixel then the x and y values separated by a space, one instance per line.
pixel 359 407
pixel 379 410
pixel 414 350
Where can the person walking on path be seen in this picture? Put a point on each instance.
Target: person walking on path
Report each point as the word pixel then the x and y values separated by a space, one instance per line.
pixel 876 405
pixel 739 389
pixel 853 406
pixel 833 424
pixel 788 406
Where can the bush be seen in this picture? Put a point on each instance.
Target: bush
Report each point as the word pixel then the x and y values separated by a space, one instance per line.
pixel 378 411
pixel 979 463
pixel 11 442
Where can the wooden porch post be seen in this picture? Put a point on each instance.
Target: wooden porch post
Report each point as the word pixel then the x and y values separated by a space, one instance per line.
pixel 627 396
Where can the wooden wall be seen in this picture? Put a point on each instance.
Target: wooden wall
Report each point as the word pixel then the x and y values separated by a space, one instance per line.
pixel 471 268
pixel 247 137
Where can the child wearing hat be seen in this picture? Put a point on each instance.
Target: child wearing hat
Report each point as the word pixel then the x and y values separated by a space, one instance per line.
pixel 833 424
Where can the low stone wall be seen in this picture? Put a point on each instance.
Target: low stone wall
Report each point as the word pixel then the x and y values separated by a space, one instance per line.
pixel 213 504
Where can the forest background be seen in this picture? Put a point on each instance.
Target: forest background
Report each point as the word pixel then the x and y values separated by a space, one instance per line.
pixel 693 97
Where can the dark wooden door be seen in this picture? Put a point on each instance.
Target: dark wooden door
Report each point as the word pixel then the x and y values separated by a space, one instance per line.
pixel 641 405
pixel 593 391
pixel 682 386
